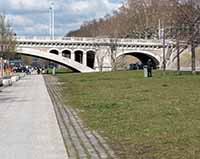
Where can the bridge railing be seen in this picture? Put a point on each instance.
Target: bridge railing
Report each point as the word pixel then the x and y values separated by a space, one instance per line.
pixel 86 39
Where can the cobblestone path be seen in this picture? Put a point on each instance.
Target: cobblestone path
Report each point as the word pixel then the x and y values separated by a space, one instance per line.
pixel 80 142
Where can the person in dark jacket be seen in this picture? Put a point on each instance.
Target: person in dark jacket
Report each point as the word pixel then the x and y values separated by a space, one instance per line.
pixel 149 67
pixel 38 70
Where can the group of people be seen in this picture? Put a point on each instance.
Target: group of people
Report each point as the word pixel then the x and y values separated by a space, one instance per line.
pixel 41 70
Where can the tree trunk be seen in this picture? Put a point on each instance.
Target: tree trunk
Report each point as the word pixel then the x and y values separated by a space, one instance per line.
pixel 178 55
pixel 164 56
pixel 193 57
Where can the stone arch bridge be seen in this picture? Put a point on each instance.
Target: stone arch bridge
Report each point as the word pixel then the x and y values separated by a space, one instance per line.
pixel 93 54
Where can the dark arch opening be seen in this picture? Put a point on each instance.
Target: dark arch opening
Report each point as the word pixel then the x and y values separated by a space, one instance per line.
pixel 143 58
pixel 90 59
pixel 54 52
pixel 79 56
pixel 66 53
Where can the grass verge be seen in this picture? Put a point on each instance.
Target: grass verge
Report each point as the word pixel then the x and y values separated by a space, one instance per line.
pixel 60 71
pixel 143 118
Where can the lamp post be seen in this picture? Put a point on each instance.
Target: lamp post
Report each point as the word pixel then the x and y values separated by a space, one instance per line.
pixel 159 29
pixel 178 54
pixel 164 45
pixel 51 20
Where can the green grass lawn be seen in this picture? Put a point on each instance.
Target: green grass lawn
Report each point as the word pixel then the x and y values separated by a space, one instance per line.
pixel 60 70
pixel 142 118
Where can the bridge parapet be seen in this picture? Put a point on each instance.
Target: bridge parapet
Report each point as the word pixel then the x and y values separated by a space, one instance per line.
pixel 92 40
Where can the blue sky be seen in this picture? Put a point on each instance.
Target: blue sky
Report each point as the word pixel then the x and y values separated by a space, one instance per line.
pixel 31 17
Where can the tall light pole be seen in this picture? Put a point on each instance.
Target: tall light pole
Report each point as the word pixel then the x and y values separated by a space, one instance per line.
pixel 164 45
pixel 159 29
pixel 51 20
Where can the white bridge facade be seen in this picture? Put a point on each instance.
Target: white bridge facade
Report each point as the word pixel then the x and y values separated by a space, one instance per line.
pixel 94 54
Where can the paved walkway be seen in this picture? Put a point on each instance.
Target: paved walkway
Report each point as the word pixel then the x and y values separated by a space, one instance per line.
pixel 28 125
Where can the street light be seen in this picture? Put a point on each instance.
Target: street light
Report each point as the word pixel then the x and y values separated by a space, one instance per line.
pixel 164 45
pixel 51 20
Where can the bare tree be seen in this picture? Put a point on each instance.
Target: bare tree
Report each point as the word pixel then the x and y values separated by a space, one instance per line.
pixel 101 53
pixel 140 19
pixel 189 20
pixel 113 53
pixel 7 38
pixel 134 19
pixel 7 41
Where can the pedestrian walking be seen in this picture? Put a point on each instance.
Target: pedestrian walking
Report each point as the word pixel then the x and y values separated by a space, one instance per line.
pixel 38 71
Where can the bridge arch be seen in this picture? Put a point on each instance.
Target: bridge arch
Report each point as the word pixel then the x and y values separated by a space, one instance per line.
pixel 90 58
pixel 92 50
pixel 54 51
pixel 55 58
pixel 82 50
pixel 143 56
pixel 66 53
pixel 90 55
pixel 78 54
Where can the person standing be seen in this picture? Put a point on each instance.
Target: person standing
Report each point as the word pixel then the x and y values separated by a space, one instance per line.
pixel 149 67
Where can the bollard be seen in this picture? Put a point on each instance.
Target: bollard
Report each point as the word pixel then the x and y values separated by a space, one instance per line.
pixel 7 82
pixel 54 71
pixel 145 71
pixel 14 78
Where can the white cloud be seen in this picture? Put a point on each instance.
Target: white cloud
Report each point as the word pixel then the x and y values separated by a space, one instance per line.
pixel 93 6
pixel 28 4
pixel 19 20
pixel 32 16
pixel 33 30
pixel 43 29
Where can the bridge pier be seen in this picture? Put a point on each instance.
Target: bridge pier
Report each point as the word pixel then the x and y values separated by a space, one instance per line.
pixel 72 55
pixel 60 54
pixel 85 58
